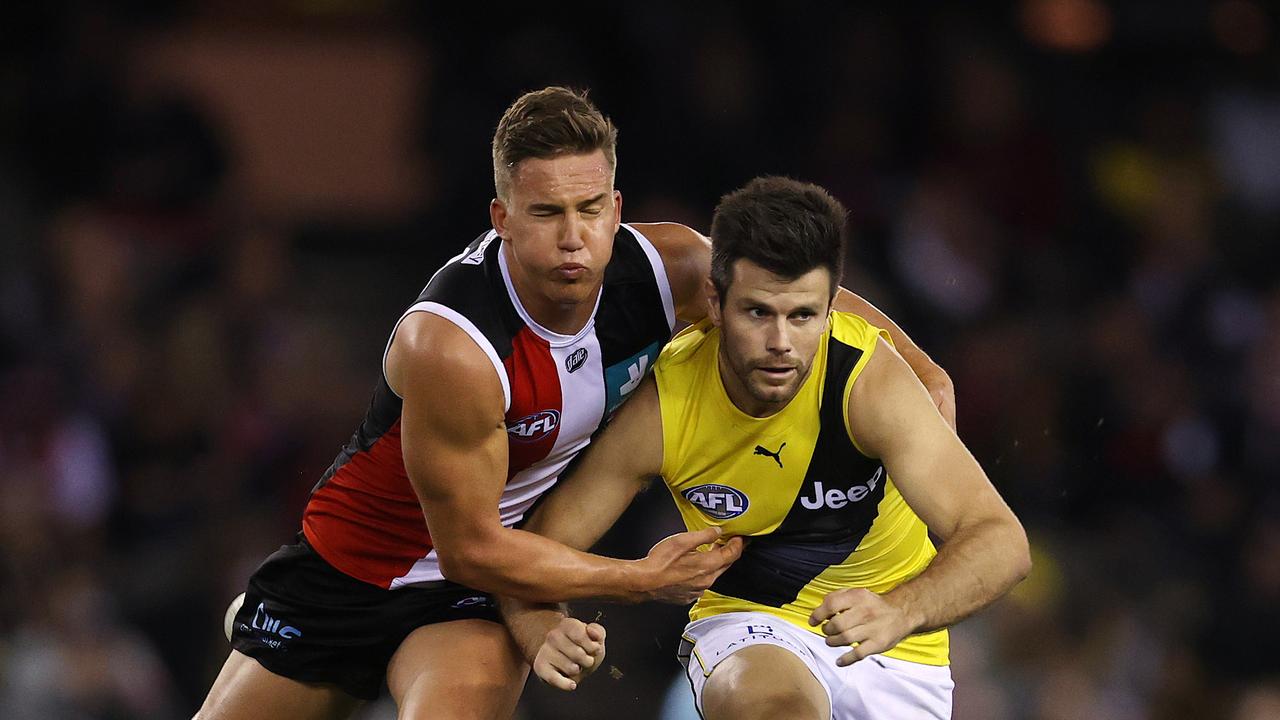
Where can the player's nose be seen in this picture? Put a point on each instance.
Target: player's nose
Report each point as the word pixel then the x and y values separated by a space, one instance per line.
pixel 778 338
pixel 573 234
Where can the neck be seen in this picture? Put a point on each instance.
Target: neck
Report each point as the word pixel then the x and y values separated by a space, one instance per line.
pixel 561 318
pixel 564 318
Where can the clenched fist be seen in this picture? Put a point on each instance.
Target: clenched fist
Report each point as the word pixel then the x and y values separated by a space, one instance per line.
pixel 571 651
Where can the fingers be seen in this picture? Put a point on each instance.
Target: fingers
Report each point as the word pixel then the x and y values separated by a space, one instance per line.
pixel 851 657
pixel 697 538
pixel 832 604
pixel 859 619
pixel 548 673
pixel 861 636
pixel 853 635
pixel 723 557
pixel 572 640
pixel 684 571
pixel 862 648
pixel 569 653
pixel 731 550
pixel 720 557
pixel 564 665
pixel 596 633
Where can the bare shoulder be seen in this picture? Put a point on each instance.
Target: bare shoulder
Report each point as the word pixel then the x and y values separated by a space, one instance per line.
pixel 887 402
pixel 686 253
pixel 431 356
pixel 675 242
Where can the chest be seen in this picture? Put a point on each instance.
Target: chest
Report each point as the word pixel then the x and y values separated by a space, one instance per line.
pixel 562 392
pixel 801 478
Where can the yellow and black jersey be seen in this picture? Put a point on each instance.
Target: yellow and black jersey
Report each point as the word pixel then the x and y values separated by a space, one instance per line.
pixel 821 515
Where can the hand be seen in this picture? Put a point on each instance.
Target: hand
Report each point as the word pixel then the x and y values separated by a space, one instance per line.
pixel 862 618
pixel 571 651
pixel 943 393
pixel 680 571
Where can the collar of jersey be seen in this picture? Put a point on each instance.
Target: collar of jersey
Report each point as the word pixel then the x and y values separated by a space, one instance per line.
pixel 553 338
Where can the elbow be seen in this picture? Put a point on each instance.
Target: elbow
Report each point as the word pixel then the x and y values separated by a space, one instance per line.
pixel 464 568
pixel 937 380
pixel 1021 556
pixel 452 567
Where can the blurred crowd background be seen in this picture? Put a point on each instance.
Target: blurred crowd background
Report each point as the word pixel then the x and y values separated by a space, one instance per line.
pixel 211 214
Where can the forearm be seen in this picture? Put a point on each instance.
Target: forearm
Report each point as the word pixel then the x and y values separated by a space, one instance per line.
pixel 530 567
pixel 972 569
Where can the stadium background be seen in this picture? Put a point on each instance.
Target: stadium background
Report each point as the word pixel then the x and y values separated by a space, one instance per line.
pixel 211 214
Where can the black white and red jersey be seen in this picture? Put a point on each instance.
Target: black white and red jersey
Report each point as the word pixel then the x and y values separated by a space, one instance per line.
pixel 363 516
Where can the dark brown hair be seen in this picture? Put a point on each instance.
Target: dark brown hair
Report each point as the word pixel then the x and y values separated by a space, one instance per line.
pixel 785 226
pixel 548 123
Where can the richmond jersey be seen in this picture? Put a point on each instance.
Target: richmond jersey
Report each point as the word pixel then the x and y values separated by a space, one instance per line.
pixel 822 515
pixel 364 517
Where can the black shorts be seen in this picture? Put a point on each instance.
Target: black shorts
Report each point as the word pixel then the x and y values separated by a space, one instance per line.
pixel 308 621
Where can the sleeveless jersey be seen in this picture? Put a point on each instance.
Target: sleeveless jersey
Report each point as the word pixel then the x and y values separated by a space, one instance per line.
pixel 363 516
pixel 821 515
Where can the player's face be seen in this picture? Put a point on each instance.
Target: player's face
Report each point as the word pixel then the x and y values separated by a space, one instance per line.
pixel 559 220
pixel 770 328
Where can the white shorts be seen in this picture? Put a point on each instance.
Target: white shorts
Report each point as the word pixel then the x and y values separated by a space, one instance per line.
pixel 874 688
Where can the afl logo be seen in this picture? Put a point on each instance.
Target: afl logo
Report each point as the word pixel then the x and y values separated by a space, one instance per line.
pixel 575 359
pixel 717 501
pixel 532 428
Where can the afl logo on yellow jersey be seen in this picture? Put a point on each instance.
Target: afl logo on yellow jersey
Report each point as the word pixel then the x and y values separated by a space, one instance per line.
pixel 718 501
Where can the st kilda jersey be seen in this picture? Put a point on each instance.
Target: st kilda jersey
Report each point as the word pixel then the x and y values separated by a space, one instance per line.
pixel 363 516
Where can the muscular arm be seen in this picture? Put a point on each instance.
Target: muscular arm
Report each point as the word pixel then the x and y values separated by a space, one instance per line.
pixel 984 550
pixel 590 498
pixel 687 256
pixel 455 453
pixel 686 253
pixel 931 375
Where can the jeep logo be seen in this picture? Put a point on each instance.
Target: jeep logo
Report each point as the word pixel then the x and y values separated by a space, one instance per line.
pixel 532 428
pixel 836 499
pixel 717 501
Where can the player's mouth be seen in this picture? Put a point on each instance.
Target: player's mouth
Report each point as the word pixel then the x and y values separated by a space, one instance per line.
pixel 778 373
pixel 571 271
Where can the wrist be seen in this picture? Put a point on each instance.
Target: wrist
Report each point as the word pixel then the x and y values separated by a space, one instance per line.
pixel 532 633
pixel 637 581
pixel 903 599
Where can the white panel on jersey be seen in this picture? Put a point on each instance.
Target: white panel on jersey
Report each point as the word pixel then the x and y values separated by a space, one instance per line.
pixel 427 569
pixel 580 368
pixel 525 489
pixel 659 274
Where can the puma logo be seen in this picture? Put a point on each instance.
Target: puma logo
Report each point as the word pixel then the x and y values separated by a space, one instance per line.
pixel 777 456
